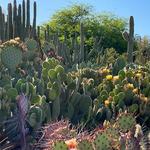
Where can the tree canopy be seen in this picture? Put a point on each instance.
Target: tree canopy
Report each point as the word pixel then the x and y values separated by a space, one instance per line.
pixel 105 26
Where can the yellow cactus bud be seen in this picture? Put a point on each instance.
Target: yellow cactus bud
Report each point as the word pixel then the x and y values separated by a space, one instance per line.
pixel 109 77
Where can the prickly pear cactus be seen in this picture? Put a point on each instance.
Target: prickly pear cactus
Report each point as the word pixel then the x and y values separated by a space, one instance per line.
pixel 32 47
pixel 125 122
pixel 31 44
pixel 51 68
pixel 112 132
pixel 113 136
pixel 60 145
pixel 119 65
pixel 85 103
pixel 85 144
pixel 35 116
pixel 12 93
pixel 46 47
pixel 102 141
pixel 11 57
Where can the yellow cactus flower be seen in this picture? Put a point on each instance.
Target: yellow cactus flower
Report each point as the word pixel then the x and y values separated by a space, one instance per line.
pixel 107 102
pixel 130 86
pixel 115 78
pixel 109 77
pixel 135 91
pixel 145 99
pixel 138 75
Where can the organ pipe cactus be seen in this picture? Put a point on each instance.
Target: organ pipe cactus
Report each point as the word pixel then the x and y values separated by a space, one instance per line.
pixel 18 21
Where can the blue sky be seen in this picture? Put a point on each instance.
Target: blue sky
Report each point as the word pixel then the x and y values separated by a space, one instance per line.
pixel 124 8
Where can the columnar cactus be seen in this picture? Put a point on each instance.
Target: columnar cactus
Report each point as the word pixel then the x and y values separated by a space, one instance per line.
pixel 19 25
pixel 82 53
pixel 129 37
pixel 18 21
pixel 28 15
pixel 23 19
pixel 2 24
pixel 15 19
pixel 34 20
pixel 9 22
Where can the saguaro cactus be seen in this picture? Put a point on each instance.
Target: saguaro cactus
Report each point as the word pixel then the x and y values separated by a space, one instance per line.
pixel 129 37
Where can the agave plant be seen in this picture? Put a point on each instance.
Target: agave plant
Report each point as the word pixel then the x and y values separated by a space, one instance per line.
pixel 15 128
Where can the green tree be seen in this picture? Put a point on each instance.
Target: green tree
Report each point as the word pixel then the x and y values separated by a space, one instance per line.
pixel 68 19
pixel 105 26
